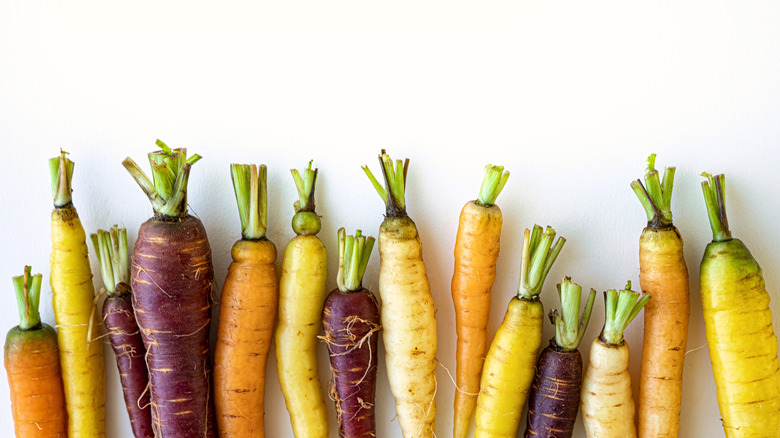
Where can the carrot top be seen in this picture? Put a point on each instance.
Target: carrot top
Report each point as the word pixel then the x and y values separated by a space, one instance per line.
pixel 621 308
pixel 170 173
pixel 393 193
pixel 249 183
pixel 305 221
pixel 61 172
pixel 538 256
pixel 715 199
pixel 111 249
pixel 354 252
pixel 492 183
pixel 569 326
pixel 28 297
pixel 657 197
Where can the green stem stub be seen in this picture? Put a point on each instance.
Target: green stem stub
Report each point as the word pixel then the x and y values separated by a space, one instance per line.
pixel 493 182
pixel 714 189
pixel 111 249
pixel 569 325
pixel 28 297
pixel 354 252
pixel 306 221
pixel 621 308
pixel 61 173
pixel 394 192
pixel 656 195
pixel 251 188
pixel 167 191
pixel 539 253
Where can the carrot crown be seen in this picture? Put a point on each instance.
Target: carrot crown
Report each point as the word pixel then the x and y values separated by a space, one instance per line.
pixel 170 173
pixel 393 193
pixel 569 325
pixel 61 172
pixel 354 252
pixel 657 197
pixel 111 249
pixel 621 308
pixel 305 220
pixel 492 183
pixel 715 199
pixel 538 256
pixel 28 297
pixel 249 183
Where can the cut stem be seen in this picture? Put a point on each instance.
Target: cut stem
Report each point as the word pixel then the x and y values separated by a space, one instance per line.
pixel 656 195
pixel 61 173
pixel 621 308
pixel 394 192
pixel 28 297
pixel 305 221
pixel 569 325
pixel 111 249
pixel 251 189
pixel 538 256
pixel 354 252
pixel 715 200
pixel 493 182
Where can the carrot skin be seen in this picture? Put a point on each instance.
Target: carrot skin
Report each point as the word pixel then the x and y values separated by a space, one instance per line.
pixel 125 338
pixel 351 323
pixel 247 316
pixel 664 275
pixel 607 404
pixel 172 278
pixel 37 399
pixel 554 399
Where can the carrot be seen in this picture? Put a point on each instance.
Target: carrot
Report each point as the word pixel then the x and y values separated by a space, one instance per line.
pixel 510 361
pixel 33 366
pixel 247 313
pixel 123 332
pixel 607 405
pixel 81 356
pixel 476 252
pixel 664 275
pixel 408 321
pixel 172 280
pixel 301 298
pixel 555 392
pixel 738 324
pixel 351 321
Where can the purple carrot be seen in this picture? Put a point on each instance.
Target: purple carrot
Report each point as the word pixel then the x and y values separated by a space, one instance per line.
pixel 123 332
pixel 351 323
pixel 172 278
pixel 554 399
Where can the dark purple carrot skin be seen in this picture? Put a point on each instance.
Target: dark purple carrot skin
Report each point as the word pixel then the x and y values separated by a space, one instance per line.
pixel 172 278
pixel 130 353
pixel 554 399
pixel 351 323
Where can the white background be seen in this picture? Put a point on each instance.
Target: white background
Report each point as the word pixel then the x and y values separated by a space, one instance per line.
pixel 569 96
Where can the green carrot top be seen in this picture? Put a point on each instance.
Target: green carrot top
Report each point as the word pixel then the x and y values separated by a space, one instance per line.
pixel 354 252
pixel 569 325
pixel 621 308
pixel 715 199
pixel 393 193
pixel 306 221
pixel 492 183
pixel 61 172
pixel 111 249
pixel 249 184
pixel 28 297
pixel 539 253
pixel 657 197
pixel 170 172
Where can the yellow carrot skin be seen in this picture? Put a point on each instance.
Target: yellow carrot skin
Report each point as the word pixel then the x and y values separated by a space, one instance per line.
pixel 409 338
pixel 607 406
pixel 81 355
pixel 502 395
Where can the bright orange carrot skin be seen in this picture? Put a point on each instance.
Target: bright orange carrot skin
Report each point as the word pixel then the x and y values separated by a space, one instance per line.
pixel 664 275
pixel 247 316
pixel 476 253
pixel 37 399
